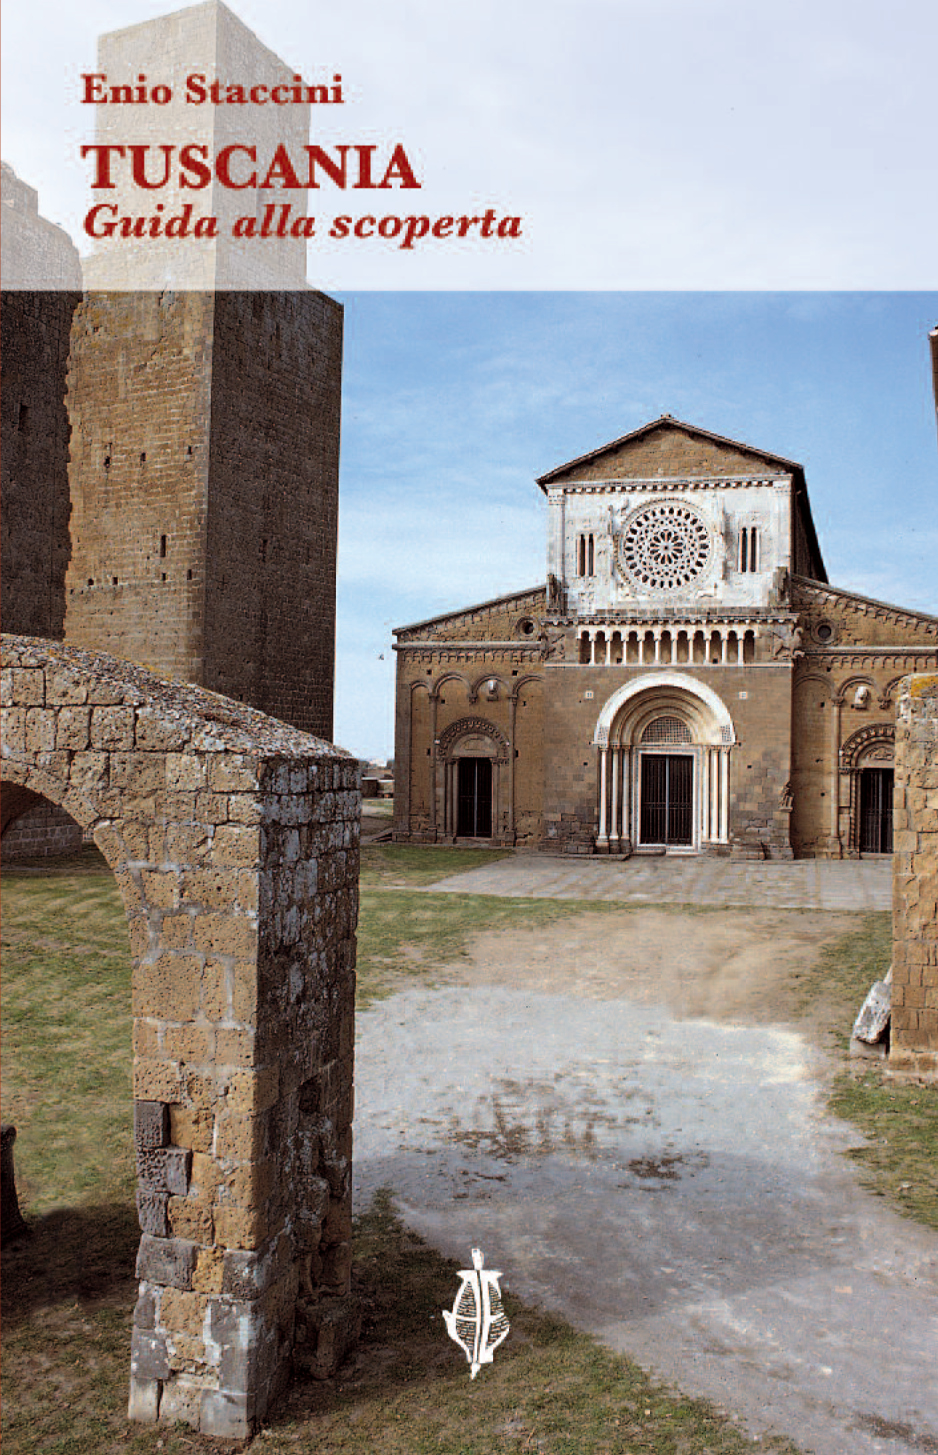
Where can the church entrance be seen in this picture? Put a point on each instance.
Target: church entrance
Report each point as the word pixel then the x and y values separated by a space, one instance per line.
pixel 665 742
pixel 667 799
pixel 474 798
pixel 876 810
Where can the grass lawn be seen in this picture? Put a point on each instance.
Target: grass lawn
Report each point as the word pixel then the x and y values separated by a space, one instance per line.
pixel 898 1119
pixel 69 1290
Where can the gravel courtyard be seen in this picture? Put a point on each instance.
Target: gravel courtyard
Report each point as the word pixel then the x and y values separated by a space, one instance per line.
pixel 623 1113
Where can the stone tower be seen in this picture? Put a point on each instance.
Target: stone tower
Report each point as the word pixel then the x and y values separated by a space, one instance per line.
pixel 41 289
pixel 206 43
pixel 205 425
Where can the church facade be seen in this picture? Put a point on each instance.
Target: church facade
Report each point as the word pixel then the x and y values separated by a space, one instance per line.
pixel 686 682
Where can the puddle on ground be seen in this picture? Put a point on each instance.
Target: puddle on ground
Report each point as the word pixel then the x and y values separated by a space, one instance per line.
pixel 528 1122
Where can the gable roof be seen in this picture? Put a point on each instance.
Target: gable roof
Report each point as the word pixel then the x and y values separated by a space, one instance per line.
pixel 790 467
pixel 764 459
pixel 532 597
pixel 804 589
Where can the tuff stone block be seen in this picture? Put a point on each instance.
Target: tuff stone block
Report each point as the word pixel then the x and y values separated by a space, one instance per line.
pixel 145 1308
pixel 152 1212
pixel 331 1327
pixel 151 1124
pixel 167 1261
pixel 143 1404
pixel 164 1169
pixel 148 1355
pixel 227 1416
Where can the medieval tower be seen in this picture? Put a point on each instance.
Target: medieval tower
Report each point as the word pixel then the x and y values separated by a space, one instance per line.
pixel 204 448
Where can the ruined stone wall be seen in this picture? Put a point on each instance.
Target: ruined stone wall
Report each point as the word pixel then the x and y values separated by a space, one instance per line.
pixel 914 1041
pixel 234 842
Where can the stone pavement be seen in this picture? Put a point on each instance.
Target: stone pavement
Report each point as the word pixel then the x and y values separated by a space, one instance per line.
pixel 674 1186
pixel 864 884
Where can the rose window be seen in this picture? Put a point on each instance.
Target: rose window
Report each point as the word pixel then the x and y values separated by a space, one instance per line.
pixel 665 546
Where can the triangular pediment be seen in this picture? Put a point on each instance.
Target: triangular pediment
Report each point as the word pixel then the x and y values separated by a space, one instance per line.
pixel 669 448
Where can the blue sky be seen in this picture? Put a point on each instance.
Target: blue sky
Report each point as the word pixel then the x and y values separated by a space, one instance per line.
pixel 454 402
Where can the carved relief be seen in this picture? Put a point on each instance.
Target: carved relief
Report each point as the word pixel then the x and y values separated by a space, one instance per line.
pixel 787 642
pixel 469 727
pixel 553 643
pixel 869 744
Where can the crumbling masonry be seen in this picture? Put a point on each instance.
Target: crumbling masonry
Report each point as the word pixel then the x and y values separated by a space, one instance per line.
pixel 234 842
pixel 914 1045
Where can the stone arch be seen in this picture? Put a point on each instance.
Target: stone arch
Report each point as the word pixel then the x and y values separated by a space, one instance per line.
pixel 219 824
pixel 459 677
pixel 708 736
pixel 813 679
pixel 870 747
pixel 479 685
pixel 877 740
pixel 524 681
pixel 850 684
pixel 888 694
pixel 456 735
pixel 632 702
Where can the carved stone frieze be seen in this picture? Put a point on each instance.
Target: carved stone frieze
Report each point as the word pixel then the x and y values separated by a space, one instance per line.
pixel 873 743
pixel 670 483
pixel 473 727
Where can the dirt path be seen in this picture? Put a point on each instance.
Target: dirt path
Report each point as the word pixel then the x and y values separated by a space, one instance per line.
pixel 712 965
pixel 622 1114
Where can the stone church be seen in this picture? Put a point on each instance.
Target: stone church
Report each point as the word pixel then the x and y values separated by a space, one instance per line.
pixel 686 682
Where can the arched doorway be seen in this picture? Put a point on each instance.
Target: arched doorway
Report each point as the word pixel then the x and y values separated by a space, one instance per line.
pixel 866 759
pixel 664 766
pixel 474 755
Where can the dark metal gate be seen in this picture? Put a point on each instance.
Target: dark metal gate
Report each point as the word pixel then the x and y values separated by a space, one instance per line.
pixel 474 798
pixel 876 810
pixel 667 812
